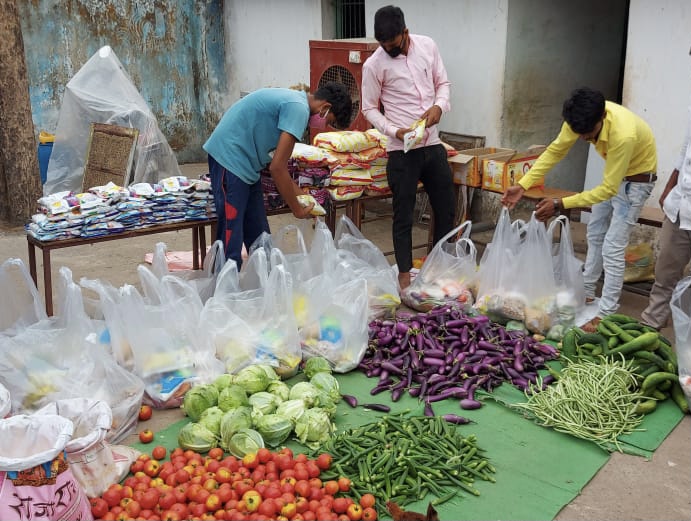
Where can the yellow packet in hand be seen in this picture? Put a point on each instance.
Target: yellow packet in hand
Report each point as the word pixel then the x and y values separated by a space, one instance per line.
pixel 307 199
pixel 414 136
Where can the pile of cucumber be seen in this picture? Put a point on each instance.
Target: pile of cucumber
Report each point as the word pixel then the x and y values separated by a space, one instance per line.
pixel 653 357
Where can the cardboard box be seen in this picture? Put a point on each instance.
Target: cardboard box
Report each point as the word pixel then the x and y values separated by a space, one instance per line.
pixel 467 164
pixel 500 173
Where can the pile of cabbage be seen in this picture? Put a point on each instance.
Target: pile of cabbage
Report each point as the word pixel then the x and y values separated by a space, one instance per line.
pixel 253 408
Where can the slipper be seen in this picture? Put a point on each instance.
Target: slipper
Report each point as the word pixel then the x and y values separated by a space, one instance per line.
pixel 591 326
pixel 589 300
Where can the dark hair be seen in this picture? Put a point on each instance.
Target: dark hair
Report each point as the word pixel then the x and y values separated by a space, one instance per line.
pixel 584 109
pixel 341 103
pixel 389 22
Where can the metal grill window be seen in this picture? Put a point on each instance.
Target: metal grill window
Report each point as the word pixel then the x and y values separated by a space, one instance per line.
pixel 350 18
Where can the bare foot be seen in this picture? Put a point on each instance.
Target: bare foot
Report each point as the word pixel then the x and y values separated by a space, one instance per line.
pixel 404 280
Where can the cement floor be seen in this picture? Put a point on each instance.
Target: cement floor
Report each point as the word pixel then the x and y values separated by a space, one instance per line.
pixel 627 488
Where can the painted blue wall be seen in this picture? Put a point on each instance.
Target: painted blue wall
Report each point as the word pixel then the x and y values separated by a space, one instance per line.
pixel 172 50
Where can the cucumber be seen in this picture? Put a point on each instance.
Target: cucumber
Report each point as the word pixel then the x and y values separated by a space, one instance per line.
pixel 646 406
pixel 642 342
pixel 623 335
pixel 652 357
pixel 620 318
pixel 678 396
pixel 653 380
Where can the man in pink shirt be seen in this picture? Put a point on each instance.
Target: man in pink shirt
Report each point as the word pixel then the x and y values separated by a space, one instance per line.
pixel 407 77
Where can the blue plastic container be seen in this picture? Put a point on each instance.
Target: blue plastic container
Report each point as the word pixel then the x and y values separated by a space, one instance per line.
pixel 44 151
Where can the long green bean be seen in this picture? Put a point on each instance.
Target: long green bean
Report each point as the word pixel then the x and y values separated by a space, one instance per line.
pixel 595 401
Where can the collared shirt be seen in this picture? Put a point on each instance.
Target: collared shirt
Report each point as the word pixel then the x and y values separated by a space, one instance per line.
pixel 407 86
pixel 248 132
pixel 678 201
pixel 625 142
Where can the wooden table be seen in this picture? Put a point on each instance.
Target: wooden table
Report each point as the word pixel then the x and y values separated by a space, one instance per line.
pixel 198 243
pixel 46 247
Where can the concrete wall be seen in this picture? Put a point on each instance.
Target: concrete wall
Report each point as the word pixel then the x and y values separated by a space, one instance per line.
pixel 173 51
pixel 552 48
pixel 267 43
pixel 657 78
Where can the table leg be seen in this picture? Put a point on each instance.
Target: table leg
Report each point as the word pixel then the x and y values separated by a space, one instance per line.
pixel 202 242
pixel 47 281
pixel 195 248
pixel 356 209
pixel 330 217
pixel 32 262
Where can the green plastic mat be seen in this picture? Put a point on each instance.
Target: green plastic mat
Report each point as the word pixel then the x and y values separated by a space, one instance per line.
pixel 539 470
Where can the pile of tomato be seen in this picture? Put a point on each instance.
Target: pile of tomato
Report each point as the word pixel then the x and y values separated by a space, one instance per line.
pixel 260 486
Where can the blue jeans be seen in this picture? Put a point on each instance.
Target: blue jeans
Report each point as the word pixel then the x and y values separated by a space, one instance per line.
pixel 608 234
pixel 239 210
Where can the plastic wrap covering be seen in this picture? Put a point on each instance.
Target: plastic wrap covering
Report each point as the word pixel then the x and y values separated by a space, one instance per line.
pixel 102 92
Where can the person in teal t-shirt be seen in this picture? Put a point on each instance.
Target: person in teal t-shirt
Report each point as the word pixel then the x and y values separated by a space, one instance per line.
pixel 259 130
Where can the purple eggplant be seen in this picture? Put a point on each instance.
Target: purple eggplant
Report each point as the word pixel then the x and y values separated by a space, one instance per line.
pixel 455 419
pixel 350 400
pixel 380 407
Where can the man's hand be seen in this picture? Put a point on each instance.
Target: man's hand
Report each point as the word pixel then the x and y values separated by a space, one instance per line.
pixel 512 195
pixel 302 212
pixel 432 116
pixel 545 209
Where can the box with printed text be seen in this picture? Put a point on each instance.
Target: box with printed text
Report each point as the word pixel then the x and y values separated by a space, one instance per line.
pixel 467 164
pixel 500 173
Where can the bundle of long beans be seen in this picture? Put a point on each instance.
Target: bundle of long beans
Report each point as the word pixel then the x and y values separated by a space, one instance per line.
pixel 595 401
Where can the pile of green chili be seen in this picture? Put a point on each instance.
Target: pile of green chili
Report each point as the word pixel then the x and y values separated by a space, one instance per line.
pixel 595 401
pixel 403 458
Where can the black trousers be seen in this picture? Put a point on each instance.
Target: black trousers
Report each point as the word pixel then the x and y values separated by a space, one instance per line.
pixel 431 166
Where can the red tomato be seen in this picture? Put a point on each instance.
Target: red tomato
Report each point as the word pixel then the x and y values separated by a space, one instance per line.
pixel 158 452
pixel 367 500
pixel 99 507
pixel 343 484
pixel 354 512
pixel 331 487
pixel 369 514
pixel 323 461
pixel 340 505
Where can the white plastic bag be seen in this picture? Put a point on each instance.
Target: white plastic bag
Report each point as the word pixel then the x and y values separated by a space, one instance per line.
pixel 681 318
pixel 568 274
pixel 358 257
pixel 447 275
pixel 26 306
pixel 89 457
pixel 5 402
pixel 102 92
pixel 36 482
pixel 204 280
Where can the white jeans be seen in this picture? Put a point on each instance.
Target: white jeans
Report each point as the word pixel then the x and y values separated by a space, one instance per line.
pixel 608 234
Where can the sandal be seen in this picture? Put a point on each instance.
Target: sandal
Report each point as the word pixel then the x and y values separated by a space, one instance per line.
pixel 591 326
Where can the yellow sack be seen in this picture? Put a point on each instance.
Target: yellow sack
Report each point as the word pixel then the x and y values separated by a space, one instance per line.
pixel 640 263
